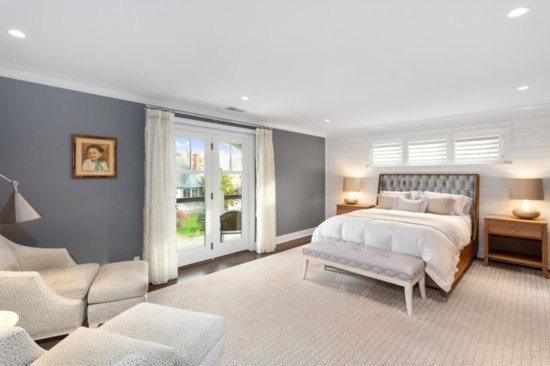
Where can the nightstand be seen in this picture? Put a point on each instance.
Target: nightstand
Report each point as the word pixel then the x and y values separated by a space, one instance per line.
pixel 518 241
pixel 344 208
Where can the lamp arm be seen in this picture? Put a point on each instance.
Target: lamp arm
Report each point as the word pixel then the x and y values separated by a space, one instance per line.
pixel 14 183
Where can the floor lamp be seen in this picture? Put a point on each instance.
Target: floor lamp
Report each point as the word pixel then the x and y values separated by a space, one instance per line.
pixel 17 209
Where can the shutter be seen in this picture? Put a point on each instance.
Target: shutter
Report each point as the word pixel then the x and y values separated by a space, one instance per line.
pixel 478 149
pixel 428 152
pixel 387 153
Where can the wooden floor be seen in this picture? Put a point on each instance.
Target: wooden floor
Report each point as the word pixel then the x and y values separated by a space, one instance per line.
pixel 203 268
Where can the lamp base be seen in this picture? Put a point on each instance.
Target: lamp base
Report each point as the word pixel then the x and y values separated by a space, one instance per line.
pixel 526 214
pixel 350 201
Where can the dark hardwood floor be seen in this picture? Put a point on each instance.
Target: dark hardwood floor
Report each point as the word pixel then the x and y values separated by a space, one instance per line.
pixel 203 268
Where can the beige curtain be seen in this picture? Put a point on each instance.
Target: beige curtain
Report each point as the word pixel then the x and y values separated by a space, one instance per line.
pixel 265 192
pixel 159 214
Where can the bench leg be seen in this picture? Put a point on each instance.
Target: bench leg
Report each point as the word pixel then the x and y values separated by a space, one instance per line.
pixel 408 298
pixel 422 285
pixel 306 263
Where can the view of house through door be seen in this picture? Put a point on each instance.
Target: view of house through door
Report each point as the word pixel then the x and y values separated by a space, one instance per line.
pixel 214 193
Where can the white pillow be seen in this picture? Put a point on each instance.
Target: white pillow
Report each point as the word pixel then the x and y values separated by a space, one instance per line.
pixel 405 204
pixel 415 195
pixel 397 193
pixel 462 204
pixel 386 201
pixel 468 202
pixel 440 205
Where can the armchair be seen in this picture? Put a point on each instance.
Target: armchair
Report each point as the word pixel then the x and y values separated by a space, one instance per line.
pixel 45 287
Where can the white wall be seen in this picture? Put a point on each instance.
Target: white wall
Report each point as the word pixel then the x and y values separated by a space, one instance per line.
pixel 348 155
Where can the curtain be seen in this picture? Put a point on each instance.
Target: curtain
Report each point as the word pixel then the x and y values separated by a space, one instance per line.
pixel 159 213
pixel 265 192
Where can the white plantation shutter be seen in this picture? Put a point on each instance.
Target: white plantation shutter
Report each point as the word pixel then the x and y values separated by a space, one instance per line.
pixel 387 153
pixel 480 149
pixel 428 152
pixel 491 146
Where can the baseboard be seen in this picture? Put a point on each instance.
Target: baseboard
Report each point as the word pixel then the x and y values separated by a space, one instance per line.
pixel 292 236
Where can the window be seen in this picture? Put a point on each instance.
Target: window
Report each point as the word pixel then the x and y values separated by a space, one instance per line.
pixel 478 149
pixel 387 153
pixel 474 147
pixel 427 152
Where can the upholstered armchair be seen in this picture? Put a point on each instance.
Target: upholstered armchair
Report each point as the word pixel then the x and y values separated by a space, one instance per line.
pixel 45 287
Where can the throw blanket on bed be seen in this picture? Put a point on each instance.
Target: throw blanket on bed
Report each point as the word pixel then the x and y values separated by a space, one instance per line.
pixel 437 239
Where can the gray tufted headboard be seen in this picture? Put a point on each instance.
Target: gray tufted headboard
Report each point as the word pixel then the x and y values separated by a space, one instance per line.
pixel 465 184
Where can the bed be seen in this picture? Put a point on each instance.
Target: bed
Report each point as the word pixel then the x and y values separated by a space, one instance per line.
pixel 446 242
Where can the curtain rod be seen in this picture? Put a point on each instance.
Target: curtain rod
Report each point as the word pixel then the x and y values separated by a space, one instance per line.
pixel 207 117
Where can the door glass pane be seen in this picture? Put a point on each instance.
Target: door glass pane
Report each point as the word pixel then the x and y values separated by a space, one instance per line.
pixel 236 157
pixel 190 200
pixel 190 211
pixel 230 192
pixel 225 156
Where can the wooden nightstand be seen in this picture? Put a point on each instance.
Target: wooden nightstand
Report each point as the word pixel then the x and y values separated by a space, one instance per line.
pixel 344 208
pixel 517 241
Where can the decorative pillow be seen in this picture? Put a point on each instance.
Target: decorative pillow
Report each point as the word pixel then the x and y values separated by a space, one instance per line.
pixel 461 201
pixel 415 195
pixel 468 201
pixel 397 193
pixel 386 201
pixel 405 204
pixel 440 205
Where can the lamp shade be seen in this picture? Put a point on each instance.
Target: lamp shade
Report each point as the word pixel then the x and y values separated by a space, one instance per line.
pixel 352 184
pixel 527 189
pixel 17 210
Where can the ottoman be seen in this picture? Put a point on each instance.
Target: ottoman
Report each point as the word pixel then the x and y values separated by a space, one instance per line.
pixel 117 287
pixel 197 338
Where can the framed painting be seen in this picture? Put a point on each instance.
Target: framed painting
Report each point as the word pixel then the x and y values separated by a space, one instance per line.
pixel 94 157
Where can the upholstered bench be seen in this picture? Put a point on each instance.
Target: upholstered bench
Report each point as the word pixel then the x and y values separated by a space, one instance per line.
pixel 117 287
pixel 399 269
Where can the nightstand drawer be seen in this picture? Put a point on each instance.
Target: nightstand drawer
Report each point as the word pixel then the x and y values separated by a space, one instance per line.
pixel 516 230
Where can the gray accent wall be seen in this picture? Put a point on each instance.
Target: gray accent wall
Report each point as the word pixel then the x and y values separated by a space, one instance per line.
pixel 97 220
pixel 101 220
pixel 300 181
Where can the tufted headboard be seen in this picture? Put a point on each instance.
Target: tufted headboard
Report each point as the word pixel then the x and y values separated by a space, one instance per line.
pixel 465 184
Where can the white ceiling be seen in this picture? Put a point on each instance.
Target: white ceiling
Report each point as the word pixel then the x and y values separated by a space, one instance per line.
pixel 359 63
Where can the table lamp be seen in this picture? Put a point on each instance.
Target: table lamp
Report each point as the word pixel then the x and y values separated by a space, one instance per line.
pixel 526 189
pixel 351 185
pixel 17 209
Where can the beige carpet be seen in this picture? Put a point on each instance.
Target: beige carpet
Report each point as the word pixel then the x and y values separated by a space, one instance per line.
pixel 498 315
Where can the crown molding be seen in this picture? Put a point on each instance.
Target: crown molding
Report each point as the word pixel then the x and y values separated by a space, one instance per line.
pixel 63 82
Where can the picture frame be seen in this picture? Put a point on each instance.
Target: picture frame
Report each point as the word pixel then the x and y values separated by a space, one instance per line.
pixel 94 157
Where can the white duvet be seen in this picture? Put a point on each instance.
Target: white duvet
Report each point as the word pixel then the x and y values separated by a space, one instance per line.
pixel 437 239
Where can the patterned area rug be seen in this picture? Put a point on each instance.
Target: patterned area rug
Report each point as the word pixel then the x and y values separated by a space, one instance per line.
pixel 498 315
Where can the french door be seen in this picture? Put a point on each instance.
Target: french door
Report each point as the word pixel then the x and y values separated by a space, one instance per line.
pixel 214 193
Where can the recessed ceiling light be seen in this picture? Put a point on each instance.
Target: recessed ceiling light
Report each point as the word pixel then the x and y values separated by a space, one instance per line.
pixel 524 87
pixel 244 97
pixel 327 120
pixel 517 12
pixel 16 33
